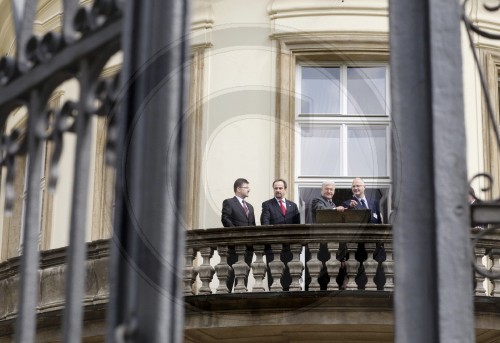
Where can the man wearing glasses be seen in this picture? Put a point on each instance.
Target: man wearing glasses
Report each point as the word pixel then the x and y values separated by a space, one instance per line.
pixel 359 201
pixel 236 211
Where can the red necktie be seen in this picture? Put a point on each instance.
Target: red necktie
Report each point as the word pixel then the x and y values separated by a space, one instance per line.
pixel 245 207
pixel 283 209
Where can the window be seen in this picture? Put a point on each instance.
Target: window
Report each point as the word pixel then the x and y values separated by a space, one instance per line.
pixel 342 118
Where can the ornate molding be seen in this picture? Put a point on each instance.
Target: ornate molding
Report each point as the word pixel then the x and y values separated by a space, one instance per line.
pixel 300 8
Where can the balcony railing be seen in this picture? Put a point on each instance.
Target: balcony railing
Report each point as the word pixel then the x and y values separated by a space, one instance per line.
pixel 323 254
pixel 310 256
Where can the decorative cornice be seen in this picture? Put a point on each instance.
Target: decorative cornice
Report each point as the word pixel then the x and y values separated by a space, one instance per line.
pixel 301 37
pixel 300 8
pixel 202 15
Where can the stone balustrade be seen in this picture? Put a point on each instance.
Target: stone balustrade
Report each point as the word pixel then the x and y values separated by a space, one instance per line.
pixel 52 279
pixel 314 252
pixel 487 259
pixel 289 258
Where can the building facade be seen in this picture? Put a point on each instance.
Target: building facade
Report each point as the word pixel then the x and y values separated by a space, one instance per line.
pixel 290 89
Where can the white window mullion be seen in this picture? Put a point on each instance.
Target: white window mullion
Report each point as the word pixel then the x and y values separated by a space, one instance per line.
pixel 298 159
pixel 343 87
pixel 344 150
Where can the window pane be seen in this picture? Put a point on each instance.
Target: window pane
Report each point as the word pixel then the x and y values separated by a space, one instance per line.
pixel 366 151
pixel 320 150
pixel 320 90
pixel 366 90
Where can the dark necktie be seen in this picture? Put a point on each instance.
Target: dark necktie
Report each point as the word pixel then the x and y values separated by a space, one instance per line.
pixel 330 203
pixel 363 203
pixel 245 208
pixel 283 208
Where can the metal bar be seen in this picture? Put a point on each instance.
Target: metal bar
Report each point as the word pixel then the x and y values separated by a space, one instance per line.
pixel 68 57
pixel 24 17
pixel 28 299
pixel 454 251
pixel 70 8
pixel 151 171
pixel 77 250
pixel 431 242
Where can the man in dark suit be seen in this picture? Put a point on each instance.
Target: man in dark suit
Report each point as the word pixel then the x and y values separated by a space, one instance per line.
pixel 325 200
pixel 278 210
pixel 359 201
pixel 236 211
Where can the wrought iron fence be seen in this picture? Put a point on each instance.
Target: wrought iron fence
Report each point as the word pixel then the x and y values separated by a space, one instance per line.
pixel 143 107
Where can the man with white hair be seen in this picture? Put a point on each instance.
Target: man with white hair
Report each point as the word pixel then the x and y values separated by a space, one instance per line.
pixel 325 200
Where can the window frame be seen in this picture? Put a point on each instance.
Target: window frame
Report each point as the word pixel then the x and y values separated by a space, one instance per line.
pixel 343 87
pixel 315 48
pixel 342 120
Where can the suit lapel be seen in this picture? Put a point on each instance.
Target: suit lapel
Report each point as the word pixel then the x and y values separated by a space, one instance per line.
pixel 276 206
pixel 238 204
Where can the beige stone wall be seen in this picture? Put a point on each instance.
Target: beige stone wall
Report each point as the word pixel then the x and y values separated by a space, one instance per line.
pixel 247 129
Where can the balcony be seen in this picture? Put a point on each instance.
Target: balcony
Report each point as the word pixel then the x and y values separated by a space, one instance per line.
pixel 306 306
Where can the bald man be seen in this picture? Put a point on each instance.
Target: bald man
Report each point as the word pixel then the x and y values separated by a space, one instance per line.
pixel 360 202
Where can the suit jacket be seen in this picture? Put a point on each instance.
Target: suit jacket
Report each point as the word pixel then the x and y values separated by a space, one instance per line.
pixel 372 205
pixel 319 204
pixel 271 213
pixel 233 213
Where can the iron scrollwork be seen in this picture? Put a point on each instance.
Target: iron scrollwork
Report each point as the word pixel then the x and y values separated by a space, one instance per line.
pixel 51 124
pixel 11 145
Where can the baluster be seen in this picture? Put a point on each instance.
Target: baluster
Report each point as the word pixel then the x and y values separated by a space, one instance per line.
pixel 295 266
pixel 314 265
pixel 495 269
pixel 380 256
pixel 223 270
pixel 370 267
pixel 189 272
pixel 479 279
pixel 206 271
pixel 333 265
pixel 489 264
pixel 259 268
pixel 389 268
pixel 352 267
pixel 277 268
pixel 361 255
pixel 241 269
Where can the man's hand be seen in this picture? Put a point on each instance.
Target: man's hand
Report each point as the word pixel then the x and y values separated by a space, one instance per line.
pixel 340 208
pixel 353 203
